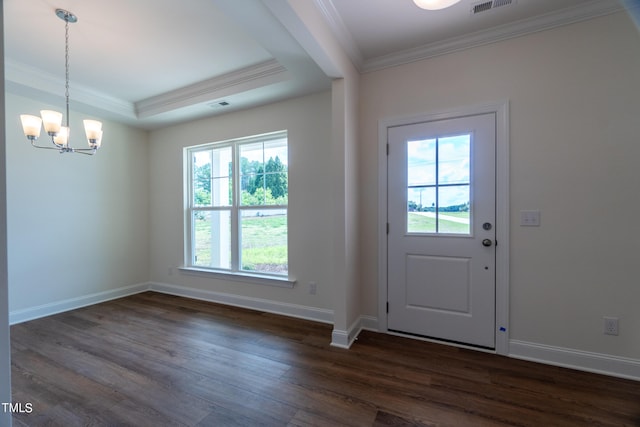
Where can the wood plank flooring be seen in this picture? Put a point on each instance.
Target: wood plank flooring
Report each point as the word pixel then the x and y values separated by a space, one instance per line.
pixel 158 360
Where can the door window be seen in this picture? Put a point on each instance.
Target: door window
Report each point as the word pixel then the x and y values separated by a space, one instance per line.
pixel 439 185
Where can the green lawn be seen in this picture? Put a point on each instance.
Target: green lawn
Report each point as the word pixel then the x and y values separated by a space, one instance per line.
pixel 464 215
pixel 264 243
pixel 422 224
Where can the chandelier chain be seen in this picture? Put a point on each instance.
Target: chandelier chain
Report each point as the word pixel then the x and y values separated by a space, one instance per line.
pixel 66 67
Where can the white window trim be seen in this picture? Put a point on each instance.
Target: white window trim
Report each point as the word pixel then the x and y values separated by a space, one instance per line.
pixel 235 273
pixel 241 276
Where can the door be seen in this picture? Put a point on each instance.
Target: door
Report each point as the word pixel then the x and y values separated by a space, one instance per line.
pixel 441 231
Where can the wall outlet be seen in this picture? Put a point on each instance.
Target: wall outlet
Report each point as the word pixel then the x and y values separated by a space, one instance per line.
pixel 611 325
pixel 313 288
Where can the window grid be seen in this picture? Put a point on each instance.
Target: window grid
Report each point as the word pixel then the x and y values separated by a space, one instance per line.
pixel 236 210
pixel 437 185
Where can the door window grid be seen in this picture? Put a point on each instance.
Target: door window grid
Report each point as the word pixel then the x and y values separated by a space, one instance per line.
pixel 439 185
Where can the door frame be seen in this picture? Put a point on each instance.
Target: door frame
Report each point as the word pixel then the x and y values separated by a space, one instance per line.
pixel 501 111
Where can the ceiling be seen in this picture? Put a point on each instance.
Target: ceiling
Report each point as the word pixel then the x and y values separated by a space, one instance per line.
pixel 151 63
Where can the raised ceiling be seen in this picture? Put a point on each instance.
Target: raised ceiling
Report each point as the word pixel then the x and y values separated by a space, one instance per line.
pixel 151 63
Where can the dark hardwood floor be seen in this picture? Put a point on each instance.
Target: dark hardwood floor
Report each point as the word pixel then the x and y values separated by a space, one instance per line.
pixel 158 360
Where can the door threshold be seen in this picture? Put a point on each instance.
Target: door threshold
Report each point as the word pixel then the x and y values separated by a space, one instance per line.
pixel 442 341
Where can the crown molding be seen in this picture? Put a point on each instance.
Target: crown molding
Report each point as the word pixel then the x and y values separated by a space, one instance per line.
pixel 590 10
pixel 341 32
pixel 259 75
pixel 23 79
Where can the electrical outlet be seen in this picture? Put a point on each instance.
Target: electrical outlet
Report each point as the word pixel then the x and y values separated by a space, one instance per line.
pixel 313 288
pixel 611 326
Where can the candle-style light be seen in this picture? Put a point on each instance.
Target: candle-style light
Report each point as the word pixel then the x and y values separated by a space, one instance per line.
pixel 52 120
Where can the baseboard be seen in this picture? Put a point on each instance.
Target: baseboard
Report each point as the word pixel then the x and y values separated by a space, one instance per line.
pixel 369 323
pixel 344 339
pixel 576 359
pixel 340 339
pixel 24 315
pixel 291 310
pixel 269 306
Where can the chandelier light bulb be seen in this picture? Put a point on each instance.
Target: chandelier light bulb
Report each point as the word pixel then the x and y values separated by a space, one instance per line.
pixel 434 4
pixel 31 125
pixel 92 128
pixel 52 121
pixel 62 137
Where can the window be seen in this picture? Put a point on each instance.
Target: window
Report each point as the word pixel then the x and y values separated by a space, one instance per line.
pixel 439 186
pixel 238 194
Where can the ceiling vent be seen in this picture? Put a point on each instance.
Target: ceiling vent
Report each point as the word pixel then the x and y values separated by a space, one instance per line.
pixel 489 5
pixel 219 104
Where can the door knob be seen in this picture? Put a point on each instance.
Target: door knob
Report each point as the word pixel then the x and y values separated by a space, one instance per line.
pixel 487 242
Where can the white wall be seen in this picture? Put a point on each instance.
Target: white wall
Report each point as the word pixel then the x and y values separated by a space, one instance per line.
pixel 308 122
pixel 77 225
pixel 575 103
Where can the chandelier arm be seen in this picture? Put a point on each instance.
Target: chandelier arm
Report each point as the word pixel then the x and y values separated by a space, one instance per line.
pixel 33 143
pixel 45 147
pixel 85 151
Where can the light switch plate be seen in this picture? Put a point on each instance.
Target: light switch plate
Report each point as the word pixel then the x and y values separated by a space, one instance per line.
pixel 530 218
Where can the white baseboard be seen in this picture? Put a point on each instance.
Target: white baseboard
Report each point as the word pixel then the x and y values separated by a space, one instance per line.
pixel 369 323
pixel 576 359
pixel 344 339
pixel 269 306
pixel 19 316
pixel 340 339
pixel 292 310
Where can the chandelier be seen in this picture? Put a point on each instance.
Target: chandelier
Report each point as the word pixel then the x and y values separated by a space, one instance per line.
pixel 52 120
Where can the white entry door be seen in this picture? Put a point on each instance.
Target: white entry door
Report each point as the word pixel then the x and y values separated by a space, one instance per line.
pixel 441 231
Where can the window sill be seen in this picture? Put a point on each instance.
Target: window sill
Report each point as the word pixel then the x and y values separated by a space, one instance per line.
pixel 258 279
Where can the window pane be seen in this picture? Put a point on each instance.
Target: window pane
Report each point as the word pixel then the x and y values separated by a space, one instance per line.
pixel 201 168
pixel 421 162
pixel 453 159
pixel 221 192
pixel 221 170
pixel 264 173
pixel 211 177
pixel 421 210
pixel 252 174
pixel 263 241
pixel 454 210
pixel 252 190
pixel 276 149
pixel 212 239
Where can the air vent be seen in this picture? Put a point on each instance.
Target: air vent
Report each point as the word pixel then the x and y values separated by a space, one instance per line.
pixel 219 104
pixel 489 5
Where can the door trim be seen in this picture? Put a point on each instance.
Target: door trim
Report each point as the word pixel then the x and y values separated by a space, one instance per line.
pixel 501 111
